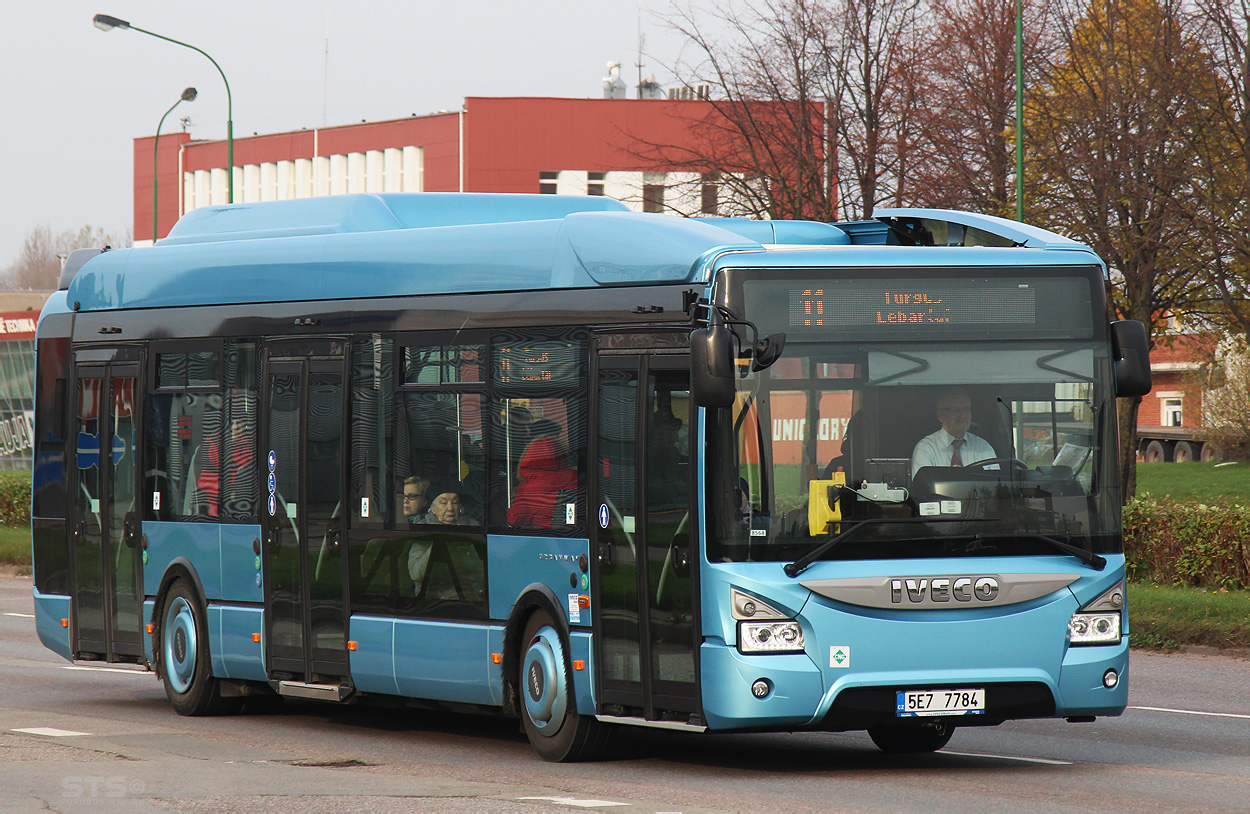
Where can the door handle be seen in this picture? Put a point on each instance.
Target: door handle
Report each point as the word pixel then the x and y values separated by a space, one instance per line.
pixel 335 539
pixel 605 553
pixel 273 536
pixel 681 561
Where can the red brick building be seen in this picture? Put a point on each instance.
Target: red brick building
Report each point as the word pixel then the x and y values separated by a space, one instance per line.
pixel 575 146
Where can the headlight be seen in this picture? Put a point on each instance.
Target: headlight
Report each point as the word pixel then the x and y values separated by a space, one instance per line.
pixel 1094 628
pixel 770 637
pixel 1098 621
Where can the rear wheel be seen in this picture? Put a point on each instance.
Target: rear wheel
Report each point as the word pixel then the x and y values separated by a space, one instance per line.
pixel 1183 452
pixel 911 738
pixel 1211 452
pixel 1155 452
pixel 548 709
pixel 183 655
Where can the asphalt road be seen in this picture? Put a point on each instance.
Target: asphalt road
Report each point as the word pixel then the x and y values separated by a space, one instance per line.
pixel 100 739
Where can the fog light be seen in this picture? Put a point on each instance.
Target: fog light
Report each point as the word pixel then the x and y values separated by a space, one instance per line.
pixel 1110 679
pixel 760 688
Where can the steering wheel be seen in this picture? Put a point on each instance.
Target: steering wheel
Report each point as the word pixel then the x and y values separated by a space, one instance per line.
pixel 1013 462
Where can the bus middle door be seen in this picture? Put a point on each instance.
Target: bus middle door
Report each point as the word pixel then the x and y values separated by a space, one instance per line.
pixel 304 515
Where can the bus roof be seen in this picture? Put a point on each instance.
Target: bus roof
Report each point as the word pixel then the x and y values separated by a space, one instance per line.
pixel 380 245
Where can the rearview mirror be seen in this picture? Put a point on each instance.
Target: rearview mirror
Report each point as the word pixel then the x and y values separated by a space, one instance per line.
pixel 712 363
pixel 1131 349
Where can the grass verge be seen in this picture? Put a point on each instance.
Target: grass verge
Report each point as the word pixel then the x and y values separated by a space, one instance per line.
pixel 1197 482
pixel 15 547
pixel 1165 618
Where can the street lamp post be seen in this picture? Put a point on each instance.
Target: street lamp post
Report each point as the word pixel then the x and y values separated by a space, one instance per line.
pixel 106 23
pixel 188 95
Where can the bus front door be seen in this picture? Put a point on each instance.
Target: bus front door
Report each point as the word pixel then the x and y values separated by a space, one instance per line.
pixel 104 522
pixel 303 513
pixel 642 531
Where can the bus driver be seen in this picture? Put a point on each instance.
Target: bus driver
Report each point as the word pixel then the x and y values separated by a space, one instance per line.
pixel 952 445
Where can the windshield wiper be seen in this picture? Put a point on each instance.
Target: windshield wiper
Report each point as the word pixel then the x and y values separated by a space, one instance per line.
pixel 1090 558
pixel 800 565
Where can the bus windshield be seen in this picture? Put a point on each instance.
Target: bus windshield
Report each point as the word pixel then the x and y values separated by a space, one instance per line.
pixel 999 446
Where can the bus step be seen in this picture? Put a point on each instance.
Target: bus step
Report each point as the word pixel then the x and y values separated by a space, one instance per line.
pixel 317 692
pixel 630 720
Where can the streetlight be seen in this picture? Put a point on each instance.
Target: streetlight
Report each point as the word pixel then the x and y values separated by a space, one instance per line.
pixel 107 23
pixel 188 95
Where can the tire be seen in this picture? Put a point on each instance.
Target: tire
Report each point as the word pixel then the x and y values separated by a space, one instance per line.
pixel 911 738
pixel 548 710
pixel 183 658
pixel 1156 452
pixel 1210 451
pixel 1183 452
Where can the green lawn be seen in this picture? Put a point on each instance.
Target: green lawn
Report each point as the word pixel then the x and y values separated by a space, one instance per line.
pixel 1198 482
pixel 15 546
pixel 1162 618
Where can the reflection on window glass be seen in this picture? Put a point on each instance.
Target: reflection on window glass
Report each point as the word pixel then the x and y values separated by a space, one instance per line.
pixel 443 364
pixel 201 446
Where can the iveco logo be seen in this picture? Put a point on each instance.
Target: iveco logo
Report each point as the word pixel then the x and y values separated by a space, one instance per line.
pixel 943 589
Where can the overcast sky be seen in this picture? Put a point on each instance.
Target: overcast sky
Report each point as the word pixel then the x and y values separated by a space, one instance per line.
pixel 75 97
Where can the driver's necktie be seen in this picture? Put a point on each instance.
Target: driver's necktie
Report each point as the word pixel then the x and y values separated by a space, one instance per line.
pixel 956 459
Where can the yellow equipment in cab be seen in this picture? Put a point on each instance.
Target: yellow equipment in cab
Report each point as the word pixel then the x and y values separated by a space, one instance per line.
pixel 823 504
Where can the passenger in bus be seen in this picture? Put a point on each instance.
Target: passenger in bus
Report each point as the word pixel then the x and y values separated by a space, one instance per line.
pixel 415 499
pixel 952 445
pixel 544 474
pixel 447 507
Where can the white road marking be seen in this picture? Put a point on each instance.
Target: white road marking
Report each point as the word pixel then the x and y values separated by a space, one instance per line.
pixel 571 801
pixel 48 731
pixel 22 615
pixel 1193 712
pixel 105 670
pixel 1045 761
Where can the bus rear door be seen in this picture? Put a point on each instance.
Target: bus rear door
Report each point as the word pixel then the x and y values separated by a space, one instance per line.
pixel 104 517
pixel 643 533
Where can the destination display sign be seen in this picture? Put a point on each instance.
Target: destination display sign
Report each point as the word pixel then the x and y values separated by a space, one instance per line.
pixel 912 302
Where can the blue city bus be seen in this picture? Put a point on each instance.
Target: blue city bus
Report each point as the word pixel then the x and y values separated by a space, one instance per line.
pixel 544 457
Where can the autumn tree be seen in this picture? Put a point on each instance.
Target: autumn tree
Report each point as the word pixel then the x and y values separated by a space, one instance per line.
pixel 966 136
pixel 38 264
pixel 1110 160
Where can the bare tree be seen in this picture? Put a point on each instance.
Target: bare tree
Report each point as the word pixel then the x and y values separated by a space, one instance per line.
pixel 872 65
pixel 762 131
pixel 38 264
pixel 1112 162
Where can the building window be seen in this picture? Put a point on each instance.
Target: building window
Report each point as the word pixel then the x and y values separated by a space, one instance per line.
pixel 653 185
pixel 1173 414
pixel 594 183
pixel 547 182
pixel 710 192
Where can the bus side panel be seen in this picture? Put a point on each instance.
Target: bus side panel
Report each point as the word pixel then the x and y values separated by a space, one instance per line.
pixel 149 614
pixel 240 564
pixel 198 543
pixel 514 563
pixel 372 663
pixel 582 646
pixel 50 609
pixel 445 661
pixel 230 632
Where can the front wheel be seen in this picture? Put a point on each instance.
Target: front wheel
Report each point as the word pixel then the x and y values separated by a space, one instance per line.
pixel 911 738
pixel 182 641
pixel 548 709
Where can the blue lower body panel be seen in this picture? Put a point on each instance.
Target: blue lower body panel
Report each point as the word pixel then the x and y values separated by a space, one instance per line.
pixel 235 653
pixel 50 609
pixel 440 661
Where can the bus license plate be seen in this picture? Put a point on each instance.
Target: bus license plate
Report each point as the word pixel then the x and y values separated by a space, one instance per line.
pixel 918 703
